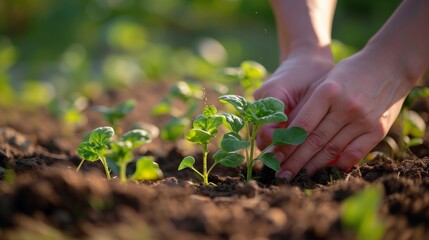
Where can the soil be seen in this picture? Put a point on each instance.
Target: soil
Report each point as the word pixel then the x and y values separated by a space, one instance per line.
pixel 42 196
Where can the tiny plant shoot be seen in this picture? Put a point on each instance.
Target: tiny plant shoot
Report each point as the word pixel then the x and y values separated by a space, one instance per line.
pixel 205 128
pixel 114 114
pixel 250 118
pixel 99 147
pixel 95 147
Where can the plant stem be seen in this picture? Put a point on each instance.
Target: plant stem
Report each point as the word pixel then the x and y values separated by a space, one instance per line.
pixel 123 173
pixel 211 168
pixel 205 173
pixel 80 165
pixel 250 160
pixel 106 168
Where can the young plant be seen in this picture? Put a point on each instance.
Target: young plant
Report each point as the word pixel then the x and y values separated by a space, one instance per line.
pixel 122 154
pixel 182 93
pixel 413 125
pixel 99 147
pixel 95 146
pixel 251 117
pixel 114 114
pixel 360 213
pixel 205 128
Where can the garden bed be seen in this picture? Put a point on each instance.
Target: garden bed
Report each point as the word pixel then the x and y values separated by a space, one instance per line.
pixel 44 196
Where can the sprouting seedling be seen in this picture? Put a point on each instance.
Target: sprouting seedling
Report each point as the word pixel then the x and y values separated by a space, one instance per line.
pixel 122 154
pixel 252 116
pixel 185 94
pixel 98 146
pixel 114 114
pixel 250 74
pixel 360 213
pixel 205 128
pixel 95 147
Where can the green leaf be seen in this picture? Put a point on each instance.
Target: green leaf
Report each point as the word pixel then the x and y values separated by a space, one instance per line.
pixel 86 151
pixel 114 114
pixel 208 124
pixel 174 128
pixel 187 162
pixel 270 161
pixel 232 142
pixel 209 111
pixel 162 108
pixel 266 110
pixel 185 91
pixel 146 169
pixel 239 102
pixel 416 92
pixel 121 152
pixel 414 142
pixel 413 125
pixel 228 159
pixel 253 70
pixel 289 136
pixel 101 136
pixel 360 212
pixel 137 137
pixel 233 122
pixel 199 136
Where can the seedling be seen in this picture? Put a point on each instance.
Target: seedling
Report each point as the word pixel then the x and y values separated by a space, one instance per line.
pixel 99 147
pixel 252 116
pixel 360 213
pixel 122 154
pixel 413 125
pixel 205 128
pixel 113 115
pixel 95 147
pixel 181 93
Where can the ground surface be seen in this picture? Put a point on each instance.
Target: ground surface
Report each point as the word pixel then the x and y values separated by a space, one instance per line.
pixel 46 197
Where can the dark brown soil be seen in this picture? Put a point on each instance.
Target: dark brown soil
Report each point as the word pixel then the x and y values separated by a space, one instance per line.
pixel 42 196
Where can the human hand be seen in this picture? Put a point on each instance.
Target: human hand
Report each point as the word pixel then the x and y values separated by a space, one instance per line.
pixel 345 115
pixel 289 83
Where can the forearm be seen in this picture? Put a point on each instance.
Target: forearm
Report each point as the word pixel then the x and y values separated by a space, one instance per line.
pixel 304 26
pixel 404 40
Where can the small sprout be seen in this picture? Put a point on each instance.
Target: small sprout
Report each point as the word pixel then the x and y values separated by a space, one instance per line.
pixel 252 116
pixel 99 147
pixel 412 124
pixel 95 147
pixel 113 115
pixel 122 154
pixel 146 169
pixel 205 128
pixel 360 212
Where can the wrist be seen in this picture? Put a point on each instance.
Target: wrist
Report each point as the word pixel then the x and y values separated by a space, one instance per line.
pixel 316 53
pixel 393 60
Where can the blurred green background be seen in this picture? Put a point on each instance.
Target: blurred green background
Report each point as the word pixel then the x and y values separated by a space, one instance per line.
pixel 52 49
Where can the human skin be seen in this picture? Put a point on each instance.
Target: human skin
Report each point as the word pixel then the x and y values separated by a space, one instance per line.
pixel 349 108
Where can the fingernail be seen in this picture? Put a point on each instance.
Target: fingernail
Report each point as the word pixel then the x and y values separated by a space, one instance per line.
pixel 285 175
